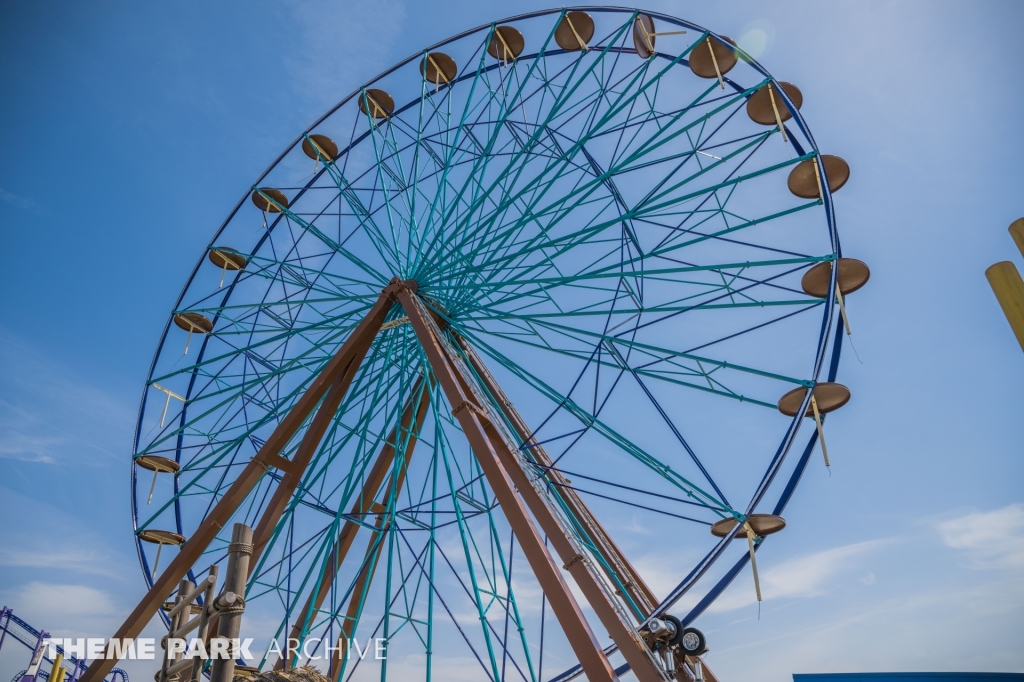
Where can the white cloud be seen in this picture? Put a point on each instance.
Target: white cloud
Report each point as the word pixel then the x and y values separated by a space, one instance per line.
pixel 797 578
pixel 327 64
pixel 12 198
pixel 75 610
pixel 992 539
pixel 52 416
pixel 54 603
pixel 904 632
pixel 86 561
pixel 21 446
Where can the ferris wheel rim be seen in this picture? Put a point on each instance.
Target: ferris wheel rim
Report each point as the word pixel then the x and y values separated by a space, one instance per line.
pixel 827 323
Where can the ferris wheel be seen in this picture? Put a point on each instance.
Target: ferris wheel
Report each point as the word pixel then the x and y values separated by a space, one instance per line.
pixel 503 353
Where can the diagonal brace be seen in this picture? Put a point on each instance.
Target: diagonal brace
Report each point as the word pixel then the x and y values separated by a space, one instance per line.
pixel 414 412
pixel 344 363
pixel 504 475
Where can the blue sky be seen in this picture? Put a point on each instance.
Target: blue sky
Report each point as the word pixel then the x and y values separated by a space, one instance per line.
pixel 129 131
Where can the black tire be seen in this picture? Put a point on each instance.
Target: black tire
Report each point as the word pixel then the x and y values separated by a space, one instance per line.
pixel 676 638
pixel 694 638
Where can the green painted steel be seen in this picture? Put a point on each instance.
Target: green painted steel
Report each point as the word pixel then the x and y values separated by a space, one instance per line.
pixel 614 238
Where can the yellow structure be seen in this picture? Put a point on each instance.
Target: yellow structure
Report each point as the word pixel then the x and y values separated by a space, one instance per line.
pixel 57 671
pixel 1008 286
pixel 1017 232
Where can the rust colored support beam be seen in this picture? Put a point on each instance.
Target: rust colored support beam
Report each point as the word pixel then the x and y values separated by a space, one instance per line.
pixel 356 601
pixel 615 620
pixel 617 566
pixel 370 559
pixel 414 412
pixel 248 479
pixel 307 448
pixel 581 638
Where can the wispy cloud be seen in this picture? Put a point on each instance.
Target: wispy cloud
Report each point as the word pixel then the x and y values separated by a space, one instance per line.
pixel 79 560
pixel 19 445
pixel 989 540
pixel 50 602
pixel 51 416
pixel 15 200
pixel 801 577
pixel 328 63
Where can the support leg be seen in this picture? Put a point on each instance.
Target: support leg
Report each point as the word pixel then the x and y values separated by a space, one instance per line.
pixel 249 477
pixel 619 569
pixel 357 599
pixel 581 638
pixel 415 409
pixel 614 619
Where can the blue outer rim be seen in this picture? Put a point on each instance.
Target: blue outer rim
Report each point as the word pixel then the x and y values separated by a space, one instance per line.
pixel 792 432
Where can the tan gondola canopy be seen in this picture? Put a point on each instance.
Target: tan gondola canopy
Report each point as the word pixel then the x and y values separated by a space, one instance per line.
pixel 761 108
pixel 158 464
pixel 805 182
pixel 712 52
pixel 574 31
pixel 643 36
pixel 376 103
pixel 162 537
pixel 227 258
pixel 320 148
pixel 269 200
pixel 195 323
pixel 506 44
pixel 853 274
pixel 828 395
pixel 761 524
pixel 438 68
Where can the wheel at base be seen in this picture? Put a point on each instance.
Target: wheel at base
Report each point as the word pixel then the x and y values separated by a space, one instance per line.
pixel 692 642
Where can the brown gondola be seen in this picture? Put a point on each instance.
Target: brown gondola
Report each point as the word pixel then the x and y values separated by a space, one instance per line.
pixel 159 464
pixel 711 58
pixel 828 395
pixel 762 110
pixel 438 68
pixel 376 103
pixel 805 182
pixel 761 524
pixel 194 608
pixel 574 31
pixel 644 35
pixel 194 323
pixel 506 44
pixel 226 258
pixel 320 148
pixel 853 274
pixel 269 200
pixel 160 538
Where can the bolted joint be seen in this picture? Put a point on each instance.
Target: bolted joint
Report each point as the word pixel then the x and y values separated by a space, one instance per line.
pixel 569 564
pixel 475 409
pixel 396 286
pixel 229 602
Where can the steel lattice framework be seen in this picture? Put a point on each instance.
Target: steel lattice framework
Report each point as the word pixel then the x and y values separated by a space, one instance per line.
pixel 599 248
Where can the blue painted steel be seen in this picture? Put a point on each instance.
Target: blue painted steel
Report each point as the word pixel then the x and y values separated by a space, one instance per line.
pixel 289 219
